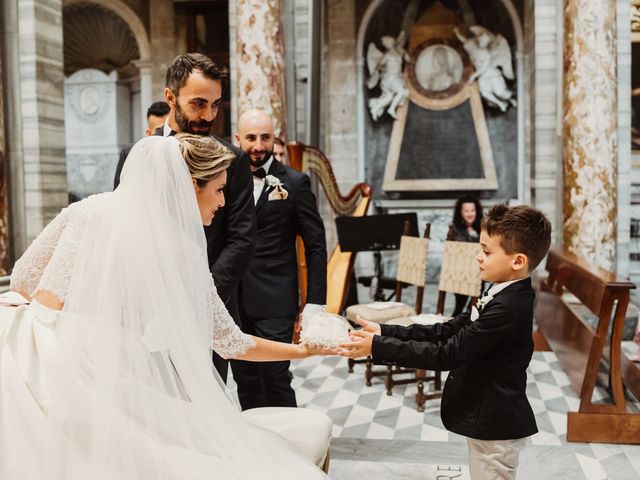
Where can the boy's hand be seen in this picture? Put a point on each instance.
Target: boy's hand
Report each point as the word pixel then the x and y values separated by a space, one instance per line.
pixel 360 345
pixel 368 326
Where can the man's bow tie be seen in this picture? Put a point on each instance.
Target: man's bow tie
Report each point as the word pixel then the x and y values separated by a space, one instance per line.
pixel 260 173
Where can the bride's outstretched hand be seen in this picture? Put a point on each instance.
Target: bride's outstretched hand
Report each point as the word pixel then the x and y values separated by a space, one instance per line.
pixel 316 350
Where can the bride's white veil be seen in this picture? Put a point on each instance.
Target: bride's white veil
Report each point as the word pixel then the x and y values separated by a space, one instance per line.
pixel 133 392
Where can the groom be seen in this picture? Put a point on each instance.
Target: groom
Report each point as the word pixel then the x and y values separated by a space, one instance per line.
pixel 194 92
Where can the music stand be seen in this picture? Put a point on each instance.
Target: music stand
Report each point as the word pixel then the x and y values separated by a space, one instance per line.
pixel 375 233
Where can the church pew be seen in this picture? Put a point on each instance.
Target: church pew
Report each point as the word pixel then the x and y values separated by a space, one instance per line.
pixel 582 349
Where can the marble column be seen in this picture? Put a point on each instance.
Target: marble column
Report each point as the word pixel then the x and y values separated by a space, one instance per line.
pixel 4 201
pixel 42 110
pixel 166 41
pixel 260 59
pixel 590 145
pixel 146 90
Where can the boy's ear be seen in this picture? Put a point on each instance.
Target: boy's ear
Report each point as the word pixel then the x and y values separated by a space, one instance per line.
pixel 519 262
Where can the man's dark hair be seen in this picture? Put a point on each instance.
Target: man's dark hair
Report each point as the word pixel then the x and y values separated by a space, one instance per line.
pixel 278 141
pixel 182 66
pixel 522 229
pixel 459 222
pixel 158 109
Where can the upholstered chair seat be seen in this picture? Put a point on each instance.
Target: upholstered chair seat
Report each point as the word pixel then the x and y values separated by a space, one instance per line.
pixel 309 430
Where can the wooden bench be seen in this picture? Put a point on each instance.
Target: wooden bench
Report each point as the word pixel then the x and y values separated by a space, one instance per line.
pixel 581 349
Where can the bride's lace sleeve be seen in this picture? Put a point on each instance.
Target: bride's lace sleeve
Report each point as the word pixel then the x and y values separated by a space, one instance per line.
pixel 28 270
pixel 227 338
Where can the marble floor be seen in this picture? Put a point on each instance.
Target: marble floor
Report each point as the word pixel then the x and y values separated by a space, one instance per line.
pixel 384 436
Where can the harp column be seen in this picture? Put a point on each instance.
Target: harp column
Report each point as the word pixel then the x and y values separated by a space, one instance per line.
pixel 260 59
pixel 590 147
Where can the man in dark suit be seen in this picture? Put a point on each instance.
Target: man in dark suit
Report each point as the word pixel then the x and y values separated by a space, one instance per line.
pixel 194 92
pixel 285 208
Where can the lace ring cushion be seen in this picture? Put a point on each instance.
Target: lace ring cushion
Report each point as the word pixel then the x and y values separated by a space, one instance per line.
pixel 412 268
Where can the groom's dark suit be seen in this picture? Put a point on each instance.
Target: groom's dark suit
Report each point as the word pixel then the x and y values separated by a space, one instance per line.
pixel 231 235
pixel 269 289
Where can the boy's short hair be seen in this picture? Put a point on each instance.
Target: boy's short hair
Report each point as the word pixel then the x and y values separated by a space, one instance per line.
pixel 522 229
pixel 278 141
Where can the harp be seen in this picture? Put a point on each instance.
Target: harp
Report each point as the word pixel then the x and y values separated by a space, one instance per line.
pixel 305 158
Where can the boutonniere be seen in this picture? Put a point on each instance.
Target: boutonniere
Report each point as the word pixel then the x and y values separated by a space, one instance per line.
pixel 482 301
pixel 273 181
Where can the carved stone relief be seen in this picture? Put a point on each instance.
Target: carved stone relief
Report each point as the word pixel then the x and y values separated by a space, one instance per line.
pixel 97 125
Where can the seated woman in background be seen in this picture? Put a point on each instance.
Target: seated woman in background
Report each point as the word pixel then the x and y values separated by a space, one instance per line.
pixel 467 216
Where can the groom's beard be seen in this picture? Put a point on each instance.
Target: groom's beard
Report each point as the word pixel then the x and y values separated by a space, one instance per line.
pixel 187 126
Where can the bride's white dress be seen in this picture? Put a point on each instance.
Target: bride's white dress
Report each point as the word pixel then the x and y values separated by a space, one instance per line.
pixel 119 383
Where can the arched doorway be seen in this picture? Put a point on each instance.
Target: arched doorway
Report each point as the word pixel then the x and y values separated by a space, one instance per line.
pixel 105 89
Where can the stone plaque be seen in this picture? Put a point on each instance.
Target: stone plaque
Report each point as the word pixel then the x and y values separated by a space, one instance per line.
pixel 434 146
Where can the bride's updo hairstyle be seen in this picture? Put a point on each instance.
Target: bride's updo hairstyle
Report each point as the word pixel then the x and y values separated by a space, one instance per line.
pixel 206 158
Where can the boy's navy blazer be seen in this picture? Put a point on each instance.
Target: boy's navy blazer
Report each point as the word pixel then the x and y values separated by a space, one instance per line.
pixel 484 395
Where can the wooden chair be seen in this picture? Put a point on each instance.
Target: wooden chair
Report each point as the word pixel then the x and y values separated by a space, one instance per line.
pixel 459 274
pixel 412 267
pixel 581 349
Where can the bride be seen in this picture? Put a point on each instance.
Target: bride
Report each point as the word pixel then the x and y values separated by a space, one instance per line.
pixel 107 373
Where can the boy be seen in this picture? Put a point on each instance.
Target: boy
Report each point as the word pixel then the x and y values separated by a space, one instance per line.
pixel 487 349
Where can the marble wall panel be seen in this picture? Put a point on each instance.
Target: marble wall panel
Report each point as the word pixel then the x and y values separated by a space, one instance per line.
pixel 546 60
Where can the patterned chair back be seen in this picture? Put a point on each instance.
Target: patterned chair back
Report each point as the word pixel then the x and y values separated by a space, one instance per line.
pixel 460 273
pixel 412 260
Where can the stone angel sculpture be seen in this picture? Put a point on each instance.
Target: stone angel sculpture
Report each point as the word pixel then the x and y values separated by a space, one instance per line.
pixel 635 15
pixel 491 57
pixel 385 68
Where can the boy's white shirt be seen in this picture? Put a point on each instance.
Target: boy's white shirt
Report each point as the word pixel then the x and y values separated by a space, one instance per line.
pixel 495 288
